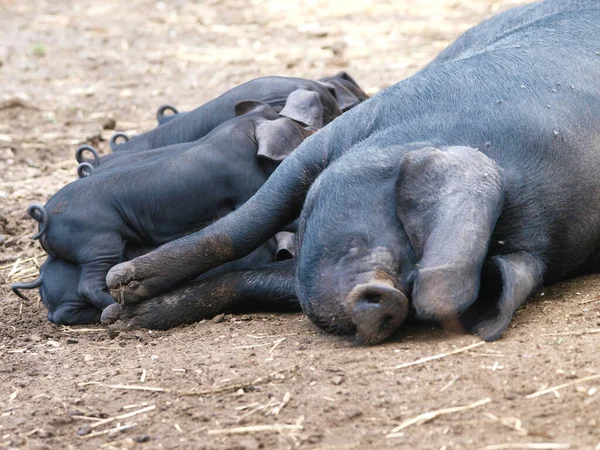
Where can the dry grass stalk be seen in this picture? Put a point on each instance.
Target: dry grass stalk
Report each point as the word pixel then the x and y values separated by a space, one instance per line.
pixel 66 329
pixel 109 431
pixel 428 416
pixel 441 355
pixel 90 418
pixel 242 385
pixel 15 267
pixel 125 387
pixel 527 446
pixel 278 427
pixel 258 408
pixel 21 261
pixel 554 389
pixel 450 383
pixel 123 416
pixel 575 333
pixel 510 422
pixel 275 411
pixel 276 344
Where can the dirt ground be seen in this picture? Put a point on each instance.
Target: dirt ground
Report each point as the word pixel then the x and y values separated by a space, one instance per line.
pixel 259 381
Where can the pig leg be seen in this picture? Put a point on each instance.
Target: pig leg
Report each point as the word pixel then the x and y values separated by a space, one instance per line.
pixel 95 266
pixel 519 275
pixel 270 287
pixel 92 285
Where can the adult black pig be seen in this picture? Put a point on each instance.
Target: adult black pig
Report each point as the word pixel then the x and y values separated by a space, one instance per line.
pixel 460 189
pixel 312 103
pixel 160 199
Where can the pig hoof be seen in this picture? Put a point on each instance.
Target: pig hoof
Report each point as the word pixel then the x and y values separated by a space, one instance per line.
pixel 120 275
pixel 111 314
pixel 491 330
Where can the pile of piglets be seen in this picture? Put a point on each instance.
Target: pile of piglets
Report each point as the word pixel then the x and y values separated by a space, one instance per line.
pixel 176 179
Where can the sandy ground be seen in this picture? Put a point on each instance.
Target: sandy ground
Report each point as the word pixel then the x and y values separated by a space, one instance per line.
pixel 67 69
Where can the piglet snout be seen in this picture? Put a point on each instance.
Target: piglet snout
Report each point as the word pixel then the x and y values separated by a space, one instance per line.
pixel 377 310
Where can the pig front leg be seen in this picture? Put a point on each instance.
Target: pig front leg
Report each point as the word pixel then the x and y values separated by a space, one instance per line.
pixel 270 287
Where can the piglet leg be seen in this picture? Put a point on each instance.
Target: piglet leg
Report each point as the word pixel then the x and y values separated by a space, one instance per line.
pixel 92 283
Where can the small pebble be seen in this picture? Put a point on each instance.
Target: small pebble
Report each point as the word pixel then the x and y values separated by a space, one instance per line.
pixel 82 431
pixel 142 438
pixel 218 319
pixel 110 124
pixel 337 380
pixel 355 414
pixel 127 443
pixel 2 239
pixel 45 434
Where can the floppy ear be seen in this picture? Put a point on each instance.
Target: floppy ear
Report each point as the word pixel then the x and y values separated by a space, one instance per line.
pixel 305 107
pixel 286 245
pixel 448 202
pixel 508 281
pixel 278 138
pixel 246 106
pixel 345 99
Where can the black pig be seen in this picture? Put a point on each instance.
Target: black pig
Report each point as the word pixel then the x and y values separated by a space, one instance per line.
pixel 315 106
pixel 460 189
pixel 160 199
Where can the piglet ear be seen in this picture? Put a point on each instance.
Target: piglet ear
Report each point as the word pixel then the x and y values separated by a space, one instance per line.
pixel 305 107
pixel 286 245
pixel 345 98
pixel 448 202
pixel 278 138
pixel 248 105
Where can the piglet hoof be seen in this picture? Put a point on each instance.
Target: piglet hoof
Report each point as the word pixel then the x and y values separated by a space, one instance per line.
pixel 111 314
pixel 492 329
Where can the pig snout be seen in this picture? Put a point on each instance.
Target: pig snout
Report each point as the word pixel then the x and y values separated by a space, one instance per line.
pixel 377 310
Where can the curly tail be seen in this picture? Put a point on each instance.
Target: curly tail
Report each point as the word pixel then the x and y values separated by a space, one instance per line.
pixel 39 214
pixel 85 169
pixel 31 285
pixel 160 113
pixel 92 150
pixel 113 139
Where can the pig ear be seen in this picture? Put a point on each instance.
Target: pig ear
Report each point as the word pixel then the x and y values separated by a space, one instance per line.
pixel 506 284
pixel 305 107
pixel 278 138
pixel 345 99
pixel 248 105
pixel 448 202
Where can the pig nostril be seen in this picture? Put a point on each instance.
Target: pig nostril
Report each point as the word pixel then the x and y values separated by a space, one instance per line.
pixel 372 298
